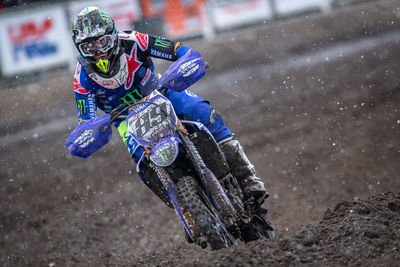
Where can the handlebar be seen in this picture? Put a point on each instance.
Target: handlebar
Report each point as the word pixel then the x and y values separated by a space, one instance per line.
pixel 116 114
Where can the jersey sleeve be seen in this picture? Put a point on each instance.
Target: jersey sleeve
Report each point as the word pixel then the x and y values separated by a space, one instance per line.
pixel 160 47
pixel 84 95
pixel 155 46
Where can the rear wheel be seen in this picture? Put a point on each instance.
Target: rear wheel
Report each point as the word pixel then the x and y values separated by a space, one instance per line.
pixel 207 227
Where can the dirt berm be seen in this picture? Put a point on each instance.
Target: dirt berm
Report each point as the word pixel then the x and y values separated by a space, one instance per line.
pixel 359 232
pixel 315 102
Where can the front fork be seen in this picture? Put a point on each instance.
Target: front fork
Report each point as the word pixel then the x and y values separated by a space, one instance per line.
pixel 213 188
pixel 173 194
pixel 176 201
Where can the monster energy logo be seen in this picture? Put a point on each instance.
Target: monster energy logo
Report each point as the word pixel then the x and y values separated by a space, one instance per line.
pixel 165 154
pixel 162 43
pixel 81 106
pixel 88 29
pixel 132 96
pixel 102 64
pixel 104 16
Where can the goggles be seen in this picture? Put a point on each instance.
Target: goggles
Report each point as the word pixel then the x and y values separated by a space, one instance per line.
pixel 102 45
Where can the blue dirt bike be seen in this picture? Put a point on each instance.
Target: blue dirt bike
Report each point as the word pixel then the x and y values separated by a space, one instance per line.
pixel 182 163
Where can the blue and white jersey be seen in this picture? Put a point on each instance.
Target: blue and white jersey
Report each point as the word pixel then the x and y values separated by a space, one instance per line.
pixel 136 79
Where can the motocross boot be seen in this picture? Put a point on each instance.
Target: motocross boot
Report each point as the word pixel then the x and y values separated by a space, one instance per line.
pixel 243 170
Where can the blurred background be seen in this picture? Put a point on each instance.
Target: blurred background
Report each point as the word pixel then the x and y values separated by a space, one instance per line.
pixel 311 88
pixel 36 33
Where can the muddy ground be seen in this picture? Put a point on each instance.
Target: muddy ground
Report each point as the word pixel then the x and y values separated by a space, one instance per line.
pixel 315 102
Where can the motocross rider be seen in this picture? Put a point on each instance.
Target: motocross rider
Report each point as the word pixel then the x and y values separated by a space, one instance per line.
pixel 114 67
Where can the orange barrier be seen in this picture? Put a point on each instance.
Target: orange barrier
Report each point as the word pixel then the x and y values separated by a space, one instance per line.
pixel 181 18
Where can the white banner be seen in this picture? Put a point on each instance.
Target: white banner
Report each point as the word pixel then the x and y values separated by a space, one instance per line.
pixel 231 13
pixel 34 40
pixel 285 7
pixel 123 12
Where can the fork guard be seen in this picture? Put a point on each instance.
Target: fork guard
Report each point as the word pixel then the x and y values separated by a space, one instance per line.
pixel 217 195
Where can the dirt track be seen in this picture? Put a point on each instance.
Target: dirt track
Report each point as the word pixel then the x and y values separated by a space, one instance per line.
pixel 316 105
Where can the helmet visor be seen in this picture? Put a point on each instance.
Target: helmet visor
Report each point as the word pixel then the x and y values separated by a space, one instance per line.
pixel 102 44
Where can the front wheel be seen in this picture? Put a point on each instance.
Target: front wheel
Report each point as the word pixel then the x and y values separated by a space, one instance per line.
pixel 206 226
